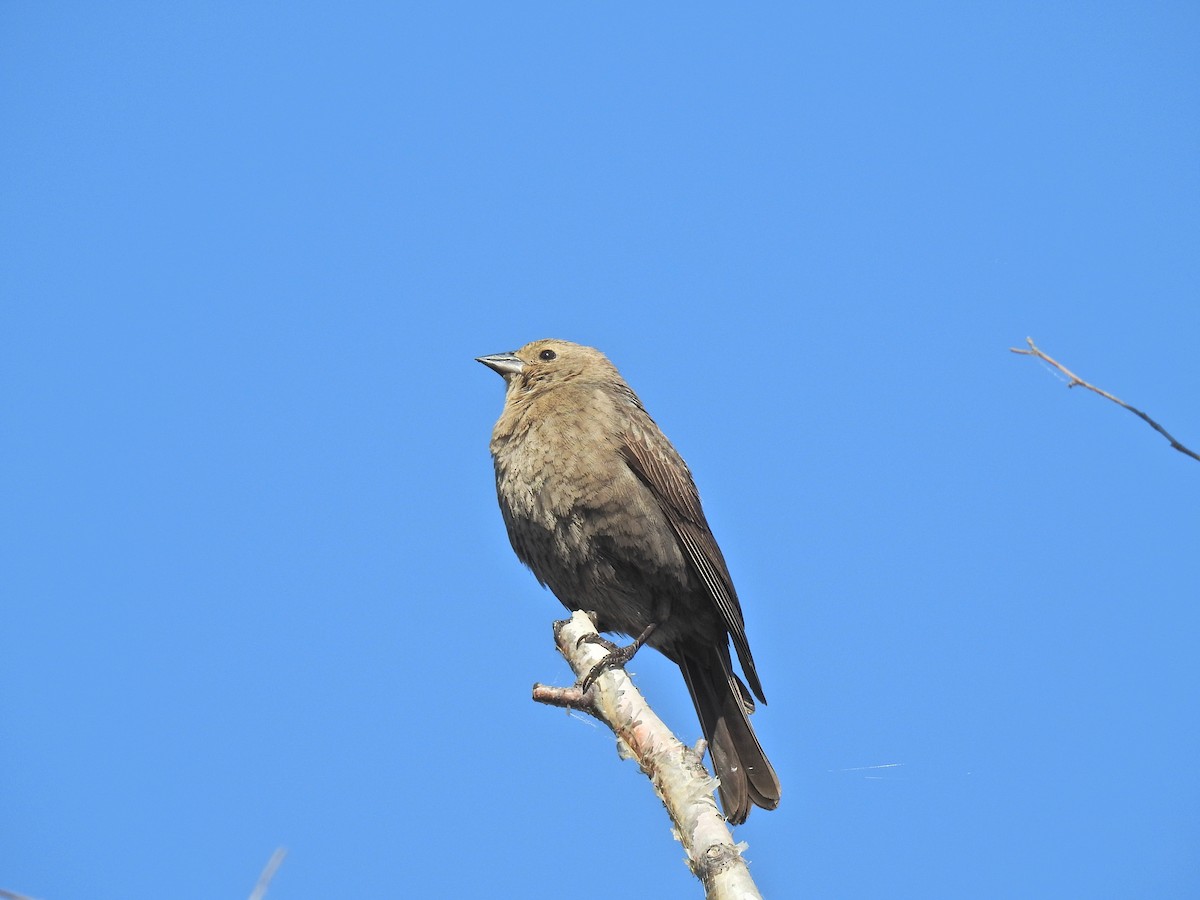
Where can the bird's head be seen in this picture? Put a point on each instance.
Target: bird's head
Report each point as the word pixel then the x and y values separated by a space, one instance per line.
pixel 549 362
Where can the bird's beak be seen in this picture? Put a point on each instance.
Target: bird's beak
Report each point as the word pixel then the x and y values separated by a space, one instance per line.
pixel 505 364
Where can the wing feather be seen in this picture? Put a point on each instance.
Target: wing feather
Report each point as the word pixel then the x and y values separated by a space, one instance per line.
pixel 657 464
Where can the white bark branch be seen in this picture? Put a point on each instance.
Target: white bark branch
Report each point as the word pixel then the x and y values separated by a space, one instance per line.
pixel 675 770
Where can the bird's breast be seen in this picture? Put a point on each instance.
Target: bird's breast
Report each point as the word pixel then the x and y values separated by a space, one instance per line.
pixel 570 500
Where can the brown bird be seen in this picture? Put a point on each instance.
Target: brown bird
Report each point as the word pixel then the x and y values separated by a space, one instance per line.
pixel 604 511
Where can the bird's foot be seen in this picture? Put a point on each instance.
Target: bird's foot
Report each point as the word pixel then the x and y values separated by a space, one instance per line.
pixel 597 639
pixel 617 657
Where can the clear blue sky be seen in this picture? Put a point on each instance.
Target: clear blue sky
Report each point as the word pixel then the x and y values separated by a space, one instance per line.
pixel 255 588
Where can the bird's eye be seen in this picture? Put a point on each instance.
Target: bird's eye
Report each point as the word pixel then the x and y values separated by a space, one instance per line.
pixel 547 355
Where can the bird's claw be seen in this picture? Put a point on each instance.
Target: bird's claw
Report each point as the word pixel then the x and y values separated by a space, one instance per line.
pixel 616 659
pixel 597 639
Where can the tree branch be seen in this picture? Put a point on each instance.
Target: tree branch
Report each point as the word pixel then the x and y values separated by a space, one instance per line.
pixel 268 872
pixel 1076 380
pixel 676 771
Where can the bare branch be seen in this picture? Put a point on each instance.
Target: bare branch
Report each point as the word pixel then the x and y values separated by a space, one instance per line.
pixel 268 872
pixel 675 770
pixel 1076 380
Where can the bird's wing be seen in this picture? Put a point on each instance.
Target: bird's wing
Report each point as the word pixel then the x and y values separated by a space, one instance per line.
pixel 657 464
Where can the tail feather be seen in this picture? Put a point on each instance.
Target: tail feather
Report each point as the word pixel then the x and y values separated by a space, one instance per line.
pixel 724 704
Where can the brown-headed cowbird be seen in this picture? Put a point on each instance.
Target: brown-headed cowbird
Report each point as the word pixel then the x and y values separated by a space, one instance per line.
pixel 604 511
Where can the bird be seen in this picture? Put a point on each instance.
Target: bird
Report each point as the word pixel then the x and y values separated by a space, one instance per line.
pixel 601 507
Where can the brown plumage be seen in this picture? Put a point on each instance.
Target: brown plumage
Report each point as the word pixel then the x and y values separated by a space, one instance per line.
pixel 604 511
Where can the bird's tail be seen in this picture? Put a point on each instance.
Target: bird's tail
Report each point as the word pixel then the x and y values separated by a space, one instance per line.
pixel 724 705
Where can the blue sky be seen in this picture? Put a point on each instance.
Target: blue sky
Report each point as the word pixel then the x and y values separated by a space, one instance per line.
pixel 255 588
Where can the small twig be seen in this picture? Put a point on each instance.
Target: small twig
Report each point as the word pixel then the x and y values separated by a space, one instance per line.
pixel 11 895
pixel 567 698
pixel 1076 380
pixel 268 872
pixel 676 771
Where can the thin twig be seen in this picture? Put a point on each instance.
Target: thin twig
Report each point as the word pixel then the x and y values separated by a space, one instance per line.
pixel 268 872
pixel 1076 380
